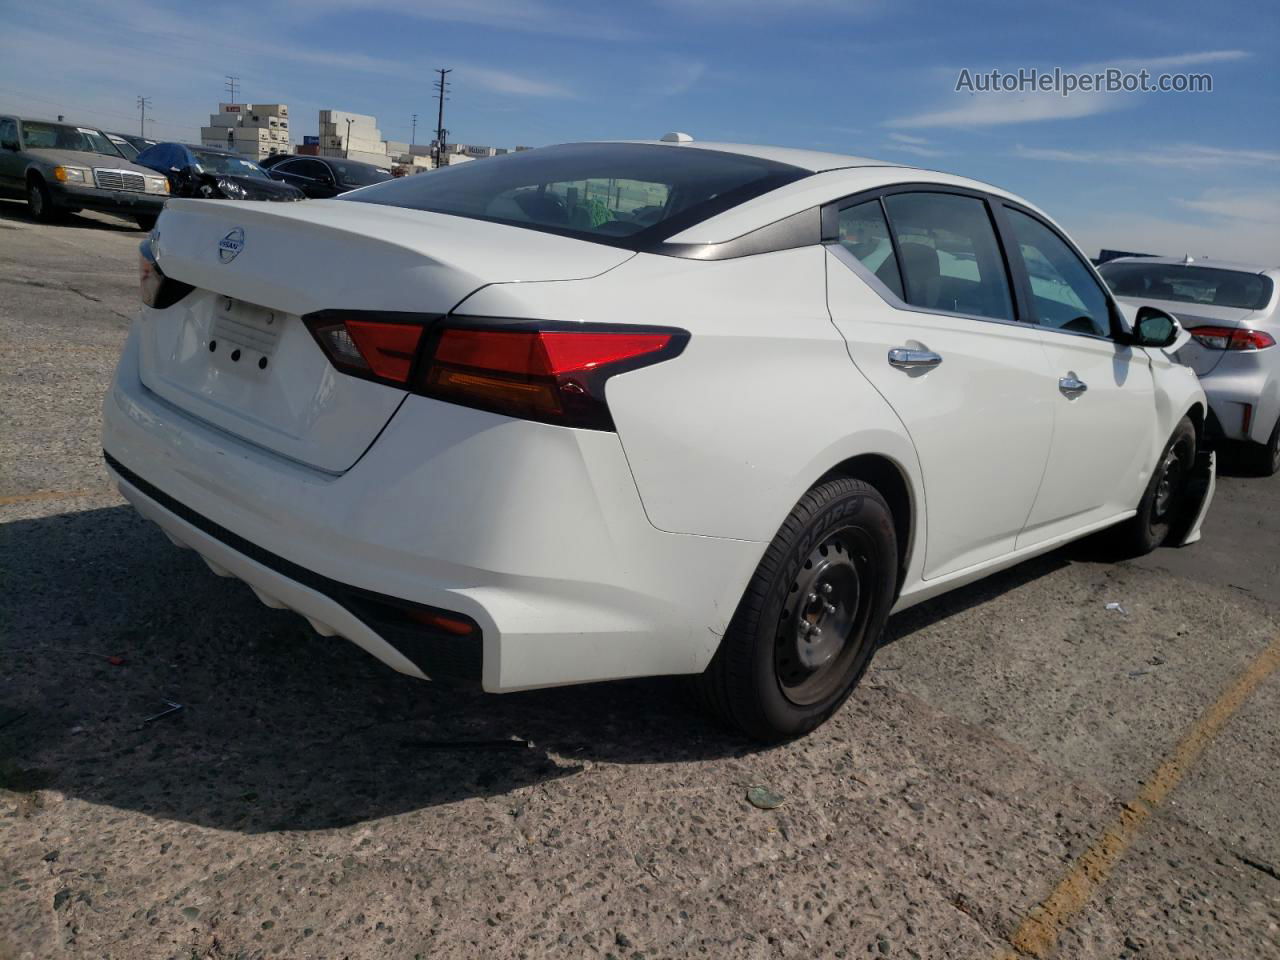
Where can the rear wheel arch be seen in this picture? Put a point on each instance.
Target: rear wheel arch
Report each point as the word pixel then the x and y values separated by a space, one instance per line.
pixel 1196 415
pixel 891 480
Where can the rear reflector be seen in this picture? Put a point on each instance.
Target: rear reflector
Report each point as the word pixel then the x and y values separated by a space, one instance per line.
pixel 551 372
pixel 1232 338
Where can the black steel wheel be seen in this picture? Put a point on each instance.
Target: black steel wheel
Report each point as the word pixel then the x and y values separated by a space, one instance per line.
pixel 811 617
pixel 1164 496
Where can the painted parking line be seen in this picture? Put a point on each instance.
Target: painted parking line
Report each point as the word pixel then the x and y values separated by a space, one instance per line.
pixel 52 495
pixel 1037 934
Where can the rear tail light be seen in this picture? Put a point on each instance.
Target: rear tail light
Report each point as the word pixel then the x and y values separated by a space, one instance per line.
pixel 155 288
pixel 550 372
pixel 1232 338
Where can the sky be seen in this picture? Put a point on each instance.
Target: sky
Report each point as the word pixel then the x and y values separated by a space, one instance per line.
pixel 1167 173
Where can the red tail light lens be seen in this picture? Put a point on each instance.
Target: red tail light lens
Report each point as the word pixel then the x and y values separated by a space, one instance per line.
pixel 1232 338
pixel 552 373
pixel 154 287
pixel 376 346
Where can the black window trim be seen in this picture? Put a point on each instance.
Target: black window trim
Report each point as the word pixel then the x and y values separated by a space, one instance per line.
pixel 1015 269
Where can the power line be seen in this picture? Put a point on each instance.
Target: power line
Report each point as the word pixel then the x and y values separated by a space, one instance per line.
pixel 442 86
pixel 232 85
pixel 143 103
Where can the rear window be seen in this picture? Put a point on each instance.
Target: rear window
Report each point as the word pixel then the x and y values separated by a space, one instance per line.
pixel 1185 283
pixel 358 174
pixel 623 194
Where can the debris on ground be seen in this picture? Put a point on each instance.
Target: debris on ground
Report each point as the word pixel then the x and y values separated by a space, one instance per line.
pixel 1117 608
pixel 764 798
pixel 170 707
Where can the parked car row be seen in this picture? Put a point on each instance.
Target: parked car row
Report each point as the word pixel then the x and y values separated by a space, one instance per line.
pixel 607 410
pixel 63 168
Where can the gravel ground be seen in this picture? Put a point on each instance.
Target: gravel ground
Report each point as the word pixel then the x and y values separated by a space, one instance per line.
pixel 307 802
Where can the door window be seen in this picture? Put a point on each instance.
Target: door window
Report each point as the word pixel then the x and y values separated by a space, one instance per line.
pixel 865 234
pixel 8 131
pixel 1064 293
pixel 950 258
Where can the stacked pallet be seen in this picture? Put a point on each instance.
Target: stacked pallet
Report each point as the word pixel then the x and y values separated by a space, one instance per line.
pixel 256 130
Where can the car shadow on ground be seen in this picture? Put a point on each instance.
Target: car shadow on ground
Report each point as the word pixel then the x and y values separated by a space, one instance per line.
pixel 281 729
pixel 16 210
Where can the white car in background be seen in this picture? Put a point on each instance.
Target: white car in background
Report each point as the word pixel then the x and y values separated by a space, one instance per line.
pixel 1232 311
pixel 608 410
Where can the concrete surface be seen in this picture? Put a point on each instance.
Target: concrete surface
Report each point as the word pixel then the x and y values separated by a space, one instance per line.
pixel 301 806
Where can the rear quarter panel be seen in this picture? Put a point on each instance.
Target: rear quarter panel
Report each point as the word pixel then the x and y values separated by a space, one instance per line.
pixel 723 440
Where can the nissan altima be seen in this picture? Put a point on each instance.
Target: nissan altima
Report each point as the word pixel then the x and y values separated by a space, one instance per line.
pixel 607 410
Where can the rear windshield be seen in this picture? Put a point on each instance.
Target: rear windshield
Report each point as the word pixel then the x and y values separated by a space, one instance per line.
pixel 623 194
pixel 37 135
pixel 358 174
pixel 1185 283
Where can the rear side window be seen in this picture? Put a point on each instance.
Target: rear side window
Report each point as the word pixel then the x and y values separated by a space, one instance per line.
pixel 1064 293
pixel 949 256
pixel 625 194
pixel 865 234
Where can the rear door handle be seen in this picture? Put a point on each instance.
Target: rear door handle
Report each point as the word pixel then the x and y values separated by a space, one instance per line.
pixel 1072 386
pixel 905 359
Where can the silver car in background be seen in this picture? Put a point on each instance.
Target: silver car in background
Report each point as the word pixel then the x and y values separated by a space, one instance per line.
pixel 1232 311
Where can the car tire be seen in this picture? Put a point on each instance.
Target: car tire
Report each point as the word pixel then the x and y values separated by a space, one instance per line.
pixel 146 221
pixel 1265 457
pixel 40 202
pixel 1160 502
pixel 831 568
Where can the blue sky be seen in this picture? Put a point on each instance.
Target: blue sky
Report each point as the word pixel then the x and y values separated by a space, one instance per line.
pixel 1159 172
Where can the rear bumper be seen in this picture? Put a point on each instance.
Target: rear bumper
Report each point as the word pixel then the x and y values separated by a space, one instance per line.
pixel 535 533
pixel 123 202
pixel 1244 394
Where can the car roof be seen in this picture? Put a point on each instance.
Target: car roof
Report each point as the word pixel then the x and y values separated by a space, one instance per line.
pixel 832 175
pixel 815 161
pixel 56 123
pixel 1201 262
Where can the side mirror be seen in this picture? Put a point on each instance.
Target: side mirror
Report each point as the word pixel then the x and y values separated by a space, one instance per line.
pixel 1154 328
pixel 10 145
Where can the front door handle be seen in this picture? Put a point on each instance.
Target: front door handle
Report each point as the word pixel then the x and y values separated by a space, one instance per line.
pixel 905 359
pixel 1072 386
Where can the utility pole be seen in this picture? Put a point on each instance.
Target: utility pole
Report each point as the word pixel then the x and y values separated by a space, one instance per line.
pixel 413 133
pixel 232 85
pixel 442 85
pixel 346 144
pixel 143 103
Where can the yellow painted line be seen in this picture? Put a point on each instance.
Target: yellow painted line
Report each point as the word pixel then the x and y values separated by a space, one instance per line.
pixel 1037 935
pixel 50 495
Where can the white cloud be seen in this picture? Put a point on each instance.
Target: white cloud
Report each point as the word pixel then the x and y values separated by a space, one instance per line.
pixel 916 146
pixel 999 108
pixel 680 76
pixel 525 16
pixel 908 138
pixel 1187 156
pixel 1253 206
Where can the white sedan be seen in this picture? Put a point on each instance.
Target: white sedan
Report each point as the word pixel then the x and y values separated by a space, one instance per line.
pixel 608 410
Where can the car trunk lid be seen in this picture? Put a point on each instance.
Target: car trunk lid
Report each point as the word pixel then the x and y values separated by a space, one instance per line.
pixel 235 352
